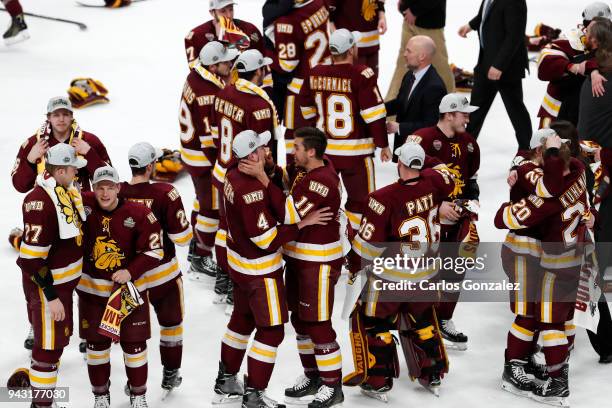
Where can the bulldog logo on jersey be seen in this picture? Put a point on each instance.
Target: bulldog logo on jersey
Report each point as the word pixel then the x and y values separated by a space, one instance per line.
pixel 106 254
pixel 455 150
pixel 459 183
pixel 368 9
pixel 65 204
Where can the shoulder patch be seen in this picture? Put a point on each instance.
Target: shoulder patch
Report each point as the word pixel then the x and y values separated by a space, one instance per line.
pixel 228 191
pixel 368 73
pixel 318 188
pixel 414 139
pixel 284 28
pixel 375 206
pixel 33 206
pixel 173 194
pixel 253 197
pixel 151 218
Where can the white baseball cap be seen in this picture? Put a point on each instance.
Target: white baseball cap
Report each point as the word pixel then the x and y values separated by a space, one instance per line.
pixel 343 40
pixel 247 141
pixel 106 173
pixel 455 102
pixel 219 4
pixel 142 154
pixel 63 154
pixel 539 137
pixel 596 9
pixel 58 102
pixel 409 153
pixel 214 52
pixel 250 60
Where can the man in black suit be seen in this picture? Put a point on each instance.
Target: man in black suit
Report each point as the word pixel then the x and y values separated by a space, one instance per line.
pixel 422 89
pixel 501 64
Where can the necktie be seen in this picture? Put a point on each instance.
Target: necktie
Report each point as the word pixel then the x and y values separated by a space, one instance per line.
pixel 411 79
pixel 485 11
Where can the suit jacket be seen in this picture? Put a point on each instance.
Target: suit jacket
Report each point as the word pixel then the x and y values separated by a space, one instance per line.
pixel 503 35
pixel 421 109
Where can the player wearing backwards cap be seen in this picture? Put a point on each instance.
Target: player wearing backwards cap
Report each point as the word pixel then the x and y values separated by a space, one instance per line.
pixel 459 151
pixel 405 212
pixel 122 242
pixel 369 20
pixel 344 100
pixel 198 150
pixel 255 262
pixel 18 30
pixel 300 43
pixel 59 127
pixel 238 107
pixel 51 261
pixel 556 281
pixel 223 27
pixel 313 264
pixel 164 283
pixel 565 63
pixel 537 172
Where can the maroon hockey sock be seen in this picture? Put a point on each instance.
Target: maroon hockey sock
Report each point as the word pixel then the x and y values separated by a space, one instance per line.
pixel 262 355
pixel 570 333
pixel 307 355
pixel 520 338
pixel 136 367
pixel 98 366
pixel 171 355
pixel 43 374
pixel 448 302
pixel 235 341
pixel 555 346
pixel 327 352
pixel 14 8
pixel 221 256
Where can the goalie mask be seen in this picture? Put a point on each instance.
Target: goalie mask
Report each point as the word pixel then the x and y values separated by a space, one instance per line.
pixel 87 91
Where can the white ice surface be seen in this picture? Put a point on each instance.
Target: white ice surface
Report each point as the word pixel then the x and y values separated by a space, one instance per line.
pixel 138 54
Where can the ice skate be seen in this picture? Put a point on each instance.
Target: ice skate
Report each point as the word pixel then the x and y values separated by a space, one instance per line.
pixel 303 391
pixel 228 389
pixel 254 398
pixel 28 343
pixel 202 269
pixel 171 380
pixel 515 379
pixel 138 401
pixel 538 370
pixel 453 339
pixel 554 391
pixel 380 394
pixel 328 397
pixel 222 285
pixel 102 401
pixel 432 384
pixel 83 349
pixel 17 31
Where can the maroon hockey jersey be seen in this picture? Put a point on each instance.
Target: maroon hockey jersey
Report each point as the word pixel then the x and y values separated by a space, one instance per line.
pixel 198 150
pixel 129 237
pixel 346 104
pixel 165 202
pixel 361 16
pixel 24 173
pixel 460 153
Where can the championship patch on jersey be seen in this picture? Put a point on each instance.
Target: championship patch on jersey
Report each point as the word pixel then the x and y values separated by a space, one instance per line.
pixel 318 188
pixel 151 218
pixel 253 197
pixel 375 206
pixel 129 222
pixel 255 37
pixel 33 206
pixel 414 139
pixel 470 147
pixel 173 194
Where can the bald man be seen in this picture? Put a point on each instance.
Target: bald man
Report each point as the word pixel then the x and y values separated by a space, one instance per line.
pixel 422 89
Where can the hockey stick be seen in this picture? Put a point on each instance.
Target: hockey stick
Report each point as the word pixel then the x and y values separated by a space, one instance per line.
pixel 81 26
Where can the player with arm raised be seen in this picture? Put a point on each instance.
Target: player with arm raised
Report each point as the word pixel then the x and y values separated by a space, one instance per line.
pixel 164 283
pixel 344 101
pixel 198 149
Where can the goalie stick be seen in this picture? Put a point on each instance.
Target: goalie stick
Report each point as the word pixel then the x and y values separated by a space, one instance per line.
pixel 82 26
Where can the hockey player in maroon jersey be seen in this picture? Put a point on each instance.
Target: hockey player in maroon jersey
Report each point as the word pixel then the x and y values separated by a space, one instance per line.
pixel 238 107
pixel 557 220
pixel 164 283
pixel 198 150
pixel 344 100
pixel 51 261
pixel 449 142
pixel 300 43
pixel 406 211
pixel 256 267
pixel 313 264
pixel 18 30
pixel 225 28
pixel 122 242
pixel 369 20
pixel 59 127
pixel 565 63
